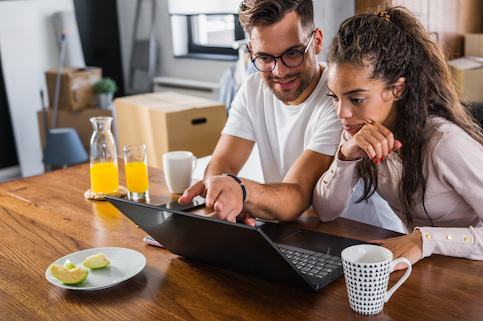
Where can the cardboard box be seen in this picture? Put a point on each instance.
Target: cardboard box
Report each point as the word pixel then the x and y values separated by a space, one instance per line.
pixel 75 87
pixel 468 74
pixel 474 44
pixel 169 121
pixel 76 119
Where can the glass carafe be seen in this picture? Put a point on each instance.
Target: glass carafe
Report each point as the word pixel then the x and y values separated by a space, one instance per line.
pixel 103 157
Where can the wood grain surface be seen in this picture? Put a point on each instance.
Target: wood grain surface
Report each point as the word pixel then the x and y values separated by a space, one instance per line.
pixel 46 217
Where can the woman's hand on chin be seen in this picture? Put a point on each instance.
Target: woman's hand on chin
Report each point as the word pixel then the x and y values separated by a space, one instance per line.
pixel 372 140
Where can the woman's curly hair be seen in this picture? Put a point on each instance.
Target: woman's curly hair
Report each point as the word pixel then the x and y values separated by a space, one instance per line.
pixel 394 44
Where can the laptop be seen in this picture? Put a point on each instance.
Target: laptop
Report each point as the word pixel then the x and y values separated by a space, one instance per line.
pixel 274 252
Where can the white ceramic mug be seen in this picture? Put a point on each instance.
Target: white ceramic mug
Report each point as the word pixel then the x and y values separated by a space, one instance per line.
pixel 366 270
pixel 178 168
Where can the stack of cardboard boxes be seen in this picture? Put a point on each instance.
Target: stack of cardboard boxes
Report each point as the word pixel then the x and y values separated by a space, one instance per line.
pixel 168 121
pixel 77 101
pixel 468 70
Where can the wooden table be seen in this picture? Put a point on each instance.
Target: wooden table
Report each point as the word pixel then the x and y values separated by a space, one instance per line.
pixel 46 217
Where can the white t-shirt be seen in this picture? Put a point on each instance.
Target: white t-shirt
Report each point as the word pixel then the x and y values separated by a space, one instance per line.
pixel 282 132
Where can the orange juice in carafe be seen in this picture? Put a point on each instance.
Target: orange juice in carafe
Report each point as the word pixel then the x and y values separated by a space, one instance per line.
pixel 103 157
pixel 104 178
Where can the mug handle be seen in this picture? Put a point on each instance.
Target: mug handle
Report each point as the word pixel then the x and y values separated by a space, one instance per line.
pixel 194 161
pixel 402 279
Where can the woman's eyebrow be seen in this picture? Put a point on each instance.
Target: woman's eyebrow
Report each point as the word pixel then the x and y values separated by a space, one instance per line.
pixel 354 91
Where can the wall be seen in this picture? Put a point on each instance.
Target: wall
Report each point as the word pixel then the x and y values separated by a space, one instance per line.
pixel 28 49
pixel 328 15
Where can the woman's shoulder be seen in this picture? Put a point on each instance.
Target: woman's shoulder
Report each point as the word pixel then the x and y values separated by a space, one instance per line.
pixel 442 124
pixel 437 127
pixel 445 135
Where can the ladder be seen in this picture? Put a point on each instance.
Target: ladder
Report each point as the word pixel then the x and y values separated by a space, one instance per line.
pixel 143 51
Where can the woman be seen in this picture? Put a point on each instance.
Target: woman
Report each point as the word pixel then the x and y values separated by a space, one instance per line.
pixel 406 134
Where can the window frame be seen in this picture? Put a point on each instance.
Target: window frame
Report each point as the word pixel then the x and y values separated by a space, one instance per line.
pixel 210 51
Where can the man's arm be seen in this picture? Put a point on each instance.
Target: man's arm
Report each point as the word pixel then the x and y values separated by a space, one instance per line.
pixel 229 156
pixel 282 201
pixel 287 200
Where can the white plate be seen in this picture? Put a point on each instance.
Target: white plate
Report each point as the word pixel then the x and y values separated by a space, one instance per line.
pixel 125 264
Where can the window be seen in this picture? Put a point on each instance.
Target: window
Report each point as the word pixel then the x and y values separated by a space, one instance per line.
pixel 205 29
pixel 213 34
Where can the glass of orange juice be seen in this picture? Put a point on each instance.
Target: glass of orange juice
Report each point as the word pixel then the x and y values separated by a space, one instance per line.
pixel 135 165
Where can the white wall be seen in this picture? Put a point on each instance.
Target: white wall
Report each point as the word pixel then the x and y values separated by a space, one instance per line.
pixel 28 49
pixel 328 15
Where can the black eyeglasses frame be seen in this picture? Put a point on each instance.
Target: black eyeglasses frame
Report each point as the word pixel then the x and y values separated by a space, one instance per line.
pixel 303 52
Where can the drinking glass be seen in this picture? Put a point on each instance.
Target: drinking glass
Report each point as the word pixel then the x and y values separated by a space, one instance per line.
pixel 135 165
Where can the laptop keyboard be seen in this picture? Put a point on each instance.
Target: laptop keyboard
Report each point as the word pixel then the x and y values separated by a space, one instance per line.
pixel 309 262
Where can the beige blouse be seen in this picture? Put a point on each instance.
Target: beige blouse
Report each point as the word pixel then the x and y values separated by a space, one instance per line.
pixel 453 166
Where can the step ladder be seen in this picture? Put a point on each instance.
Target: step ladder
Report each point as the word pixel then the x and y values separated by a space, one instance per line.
pixel 144 51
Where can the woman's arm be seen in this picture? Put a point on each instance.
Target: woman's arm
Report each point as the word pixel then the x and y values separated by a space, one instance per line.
pixel 334 189
pixel 456 161
pixel 424 241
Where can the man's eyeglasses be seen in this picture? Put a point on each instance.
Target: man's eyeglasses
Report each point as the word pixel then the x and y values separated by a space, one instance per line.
pixel 290 58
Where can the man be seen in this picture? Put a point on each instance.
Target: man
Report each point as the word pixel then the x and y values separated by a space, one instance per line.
pixel 295 126
pixel 285 109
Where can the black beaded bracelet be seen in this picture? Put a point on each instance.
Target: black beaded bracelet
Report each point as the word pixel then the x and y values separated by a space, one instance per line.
pixel 239 182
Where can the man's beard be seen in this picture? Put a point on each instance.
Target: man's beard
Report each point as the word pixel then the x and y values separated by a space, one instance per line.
pixel 289 95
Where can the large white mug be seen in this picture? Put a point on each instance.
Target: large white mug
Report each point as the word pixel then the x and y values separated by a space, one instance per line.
pixel 366 270
pixel 178 168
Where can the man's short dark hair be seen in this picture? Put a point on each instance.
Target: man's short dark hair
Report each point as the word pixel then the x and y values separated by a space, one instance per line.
pixel 255 13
